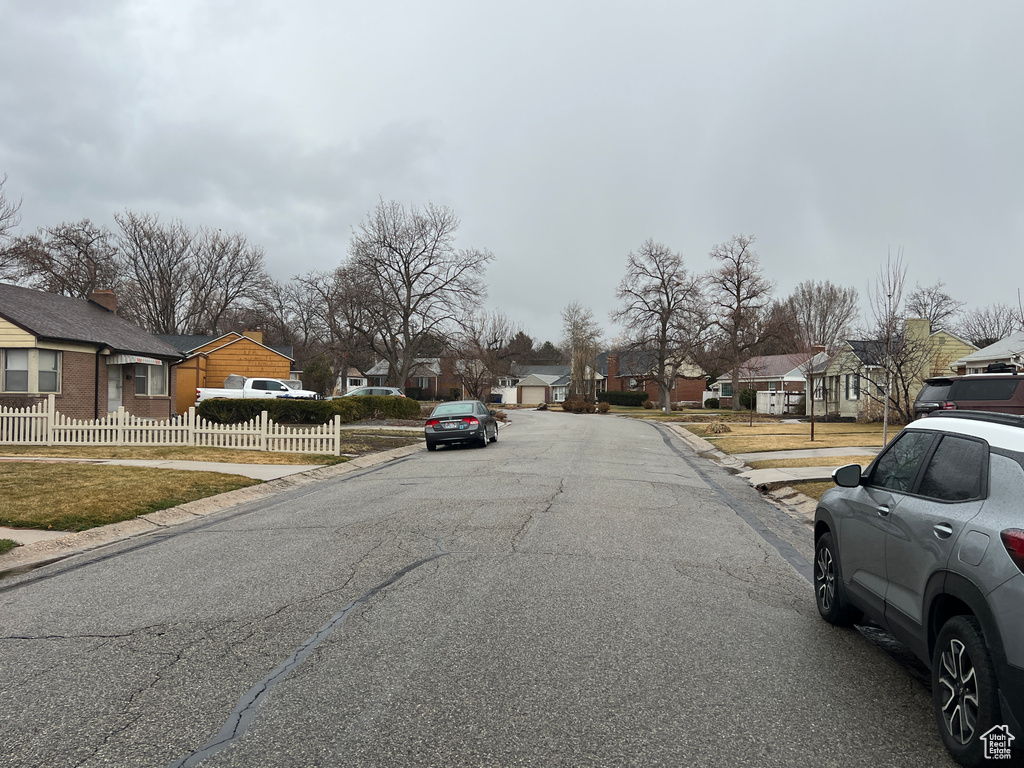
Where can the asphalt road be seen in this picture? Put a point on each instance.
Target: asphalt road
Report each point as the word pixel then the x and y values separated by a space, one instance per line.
pixel 585 592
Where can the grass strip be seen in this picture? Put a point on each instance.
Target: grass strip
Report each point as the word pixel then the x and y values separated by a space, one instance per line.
pixel 76 497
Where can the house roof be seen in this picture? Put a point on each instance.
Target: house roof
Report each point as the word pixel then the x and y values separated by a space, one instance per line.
pixel 642 362
pixel 764 367
pixel 1002 350
pixel 421 366
pixel 188 344
pixel 541 380
pixel 522 371
pixel 60 318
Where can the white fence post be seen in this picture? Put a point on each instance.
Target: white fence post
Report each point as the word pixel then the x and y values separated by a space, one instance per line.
pixel 51 413
pixel 264 428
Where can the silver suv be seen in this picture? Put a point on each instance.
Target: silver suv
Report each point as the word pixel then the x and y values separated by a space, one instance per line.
pixel 928 542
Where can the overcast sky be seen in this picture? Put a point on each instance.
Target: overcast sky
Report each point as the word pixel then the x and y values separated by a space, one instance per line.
pixel 563 134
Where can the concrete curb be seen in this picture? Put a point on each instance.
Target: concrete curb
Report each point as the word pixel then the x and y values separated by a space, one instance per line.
pixel 25 558
pixel 795 504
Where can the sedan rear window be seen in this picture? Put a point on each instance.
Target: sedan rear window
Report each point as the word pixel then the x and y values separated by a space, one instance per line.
pixel 453 409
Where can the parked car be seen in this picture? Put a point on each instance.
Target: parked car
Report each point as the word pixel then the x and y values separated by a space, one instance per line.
pixel 381 391
pixel 999 391
pixel 928 542
pixel 256 387
pixel 934 396
pixel 463 421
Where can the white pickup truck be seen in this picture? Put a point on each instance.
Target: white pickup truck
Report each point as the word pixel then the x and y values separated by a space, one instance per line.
pixel 253 388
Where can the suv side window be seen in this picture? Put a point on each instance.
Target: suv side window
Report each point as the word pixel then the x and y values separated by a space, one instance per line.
pixel 898 466
pixel 980 389
pixel 957 470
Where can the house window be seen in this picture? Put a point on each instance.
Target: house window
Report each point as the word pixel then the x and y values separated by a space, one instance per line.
pixel 31 370
pixel 150 380
pixel 772 386
pixel 423 382
pixel 852 386
pixel 633 384
pixel 16 370
pixel 727 390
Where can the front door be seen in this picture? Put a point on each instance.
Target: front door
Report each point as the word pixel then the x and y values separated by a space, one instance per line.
pixel 115 379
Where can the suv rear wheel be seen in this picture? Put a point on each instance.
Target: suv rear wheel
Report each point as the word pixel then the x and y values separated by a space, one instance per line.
pixel 828 587
pixel 964 689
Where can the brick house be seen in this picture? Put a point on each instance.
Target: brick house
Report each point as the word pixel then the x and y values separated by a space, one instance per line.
pixel 783 374
pixel 81 352
pixel 634 372
pixel 209 360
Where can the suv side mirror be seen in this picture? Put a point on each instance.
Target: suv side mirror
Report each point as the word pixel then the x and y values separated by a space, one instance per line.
pixel 847 476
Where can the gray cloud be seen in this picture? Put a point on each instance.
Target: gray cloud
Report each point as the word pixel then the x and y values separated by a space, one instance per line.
pixel 564 134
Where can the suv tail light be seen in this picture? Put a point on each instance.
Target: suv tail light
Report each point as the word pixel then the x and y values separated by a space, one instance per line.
pixel 1013 540
pixel 948 405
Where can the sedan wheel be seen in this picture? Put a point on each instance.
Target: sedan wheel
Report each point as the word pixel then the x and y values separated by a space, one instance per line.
pixel 494 437
pixel 431 447
pixel 964 689
pixel 482 442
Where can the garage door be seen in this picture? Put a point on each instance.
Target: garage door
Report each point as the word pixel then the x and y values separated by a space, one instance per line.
pixel 533 395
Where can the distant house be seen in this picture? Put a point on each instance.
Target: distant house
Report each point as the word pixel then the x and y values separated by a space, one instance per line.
pixel 427 380
pixel 782 376
pixel 81 352
pixel 351 379
pixel 1008 351
pixel 209 360
pixel 839 388
pixel 634 371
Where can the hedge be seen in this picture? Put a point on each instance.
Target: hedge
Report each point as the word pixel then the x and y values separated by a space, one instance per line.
pixel 635 399
pixel 225 410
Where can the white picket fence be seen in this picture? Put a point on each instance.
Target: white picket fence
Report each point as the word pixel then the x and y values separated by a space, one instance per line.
pixel 42 424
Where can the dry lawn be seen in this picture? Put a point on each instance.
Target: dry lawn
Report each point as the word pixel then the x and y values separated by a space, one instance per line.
pixel 819 461
pixel 813 488
pixel 75 497
pixel 352 443
pixel 791 437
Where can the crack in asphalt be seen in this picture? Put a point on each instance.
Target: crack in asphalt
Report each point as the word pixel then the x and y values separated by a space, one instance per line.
pixel 245 711
pixel 519 535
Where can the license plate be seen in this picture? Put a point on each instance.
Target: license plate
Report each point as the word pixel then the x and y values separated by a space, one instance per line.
pixel 450 425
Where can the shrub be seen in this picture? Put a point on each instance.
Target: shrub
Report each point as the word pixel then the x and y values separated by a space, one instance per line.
pixel 576 404
pixel 648 405
pixel 416 393
pixel 604 407
pixel 632 399
pixel 718 428
pixel 748 398
pixel 378 407
pixel 225 410
pixel 294 411
pixel 317 376
pixel 711 402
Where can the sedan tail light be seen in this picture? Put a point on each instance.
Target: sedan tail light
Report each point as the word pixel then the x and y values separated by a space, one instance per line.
pixel 473 421
pixel 433 422
pixel 1013 540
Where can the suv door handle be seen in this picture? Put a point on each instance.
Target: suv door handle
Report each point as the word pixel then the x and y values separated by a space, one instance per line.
pixel 883 511
pixel 943 530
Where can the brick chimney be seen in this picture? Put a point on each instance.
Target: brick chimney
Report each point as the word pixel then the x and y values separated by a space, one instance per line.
pixel 106 298
pixel 255 335
pixel 613 366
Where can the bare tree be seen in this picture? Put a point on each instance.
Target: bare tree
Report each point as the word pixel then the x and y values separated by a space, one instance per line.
pixel 934 304
pixel 158 266
pixel 989 324
pixel 823 314
pixel 228 271
pixel 70 259
pixel 663 311
pixel 9 219
pixel 414 285
pixel 582 335
pixel 740 297
pixel 483 353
